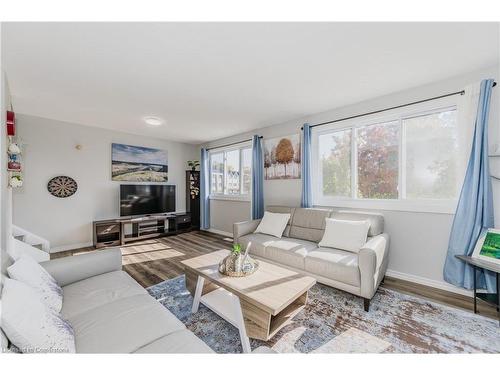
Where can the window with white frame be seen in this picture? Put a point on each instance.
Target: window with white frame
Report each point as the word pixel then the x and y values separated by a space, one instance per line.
pixel 231 172
pixel 408 159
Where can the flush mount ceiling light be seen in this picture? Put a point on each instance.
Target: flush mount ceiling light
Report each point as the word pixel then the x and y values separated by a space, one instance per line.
pixel 153 120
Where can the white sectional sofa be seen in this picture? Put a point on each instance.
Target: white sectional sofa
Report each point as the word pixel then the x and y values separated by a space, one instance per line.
pixel 356 273
pixel 111 313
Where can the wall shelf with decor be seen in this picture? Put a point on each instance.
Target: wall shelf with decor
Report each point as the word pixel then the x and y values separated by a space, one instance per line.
pixel 193 197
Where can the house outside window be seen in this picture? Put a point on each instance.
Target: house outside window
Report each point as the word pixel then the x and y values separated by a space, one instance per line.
pixel 410 159
pixel 231 172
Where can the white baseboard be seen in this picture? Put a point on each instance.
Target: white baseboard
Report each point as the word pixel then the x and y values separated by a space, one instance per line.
pixel 429 282
pixel 74 246
pixel 221 232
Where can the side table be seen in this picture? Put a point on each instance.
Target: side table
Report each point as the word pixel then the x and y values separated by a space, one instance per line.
pixel 490 298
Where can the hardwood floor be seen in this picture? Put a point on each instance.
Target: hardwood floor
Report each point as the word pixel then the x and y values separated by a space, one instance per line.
pixel 438 295
pixel 152 261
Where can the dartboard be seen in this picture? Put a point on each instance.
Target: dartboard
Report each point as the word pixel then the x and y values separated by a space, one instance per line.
pixel 62 186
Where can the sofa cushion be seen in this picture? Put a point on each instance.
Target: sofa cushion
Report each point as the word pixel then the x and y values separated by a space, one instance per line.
pixel 309 223
pixel 177 342
pixel 345 234
pixel 123 326
pixel 98 290
pixel 30 272
pixel 273 224
pixel 257 242
pixel 376 220
pixel 30 324
pixel 283 210
pixel 289 251
pixel 334 264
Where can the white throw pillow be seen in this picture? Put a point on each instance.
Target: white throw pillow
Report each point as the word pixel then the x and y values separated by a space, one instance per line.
pixel 273 224
pixel 345 234
pixel 32 326
pixel 28 271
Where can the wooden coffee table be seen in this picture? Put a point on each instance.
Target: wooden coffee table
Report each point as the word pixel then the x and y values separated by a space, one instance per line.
pixel 259 305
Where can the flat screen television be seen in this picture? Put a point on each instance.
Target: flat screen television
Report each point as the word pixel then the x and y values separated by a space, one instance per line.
pixel 146 199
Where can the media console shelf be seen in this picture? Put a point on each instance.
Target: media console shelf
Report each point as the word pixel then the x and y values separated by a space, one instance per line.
pixel 116 232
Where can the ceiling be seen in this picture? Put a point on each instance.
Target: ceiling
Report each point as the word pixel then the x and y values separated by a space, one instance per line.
pixel 212 80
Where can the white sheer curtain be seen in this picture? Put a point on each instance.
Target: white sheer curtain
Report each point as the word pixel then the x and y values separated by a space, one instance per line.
pixel 467 112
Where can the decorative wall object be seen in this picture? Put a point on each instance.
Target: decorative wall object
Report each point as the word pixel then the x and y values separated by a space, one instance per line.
pixel 14 165
pixel 11 123
pixel 14 149
pixel 16 181
pixel 135 163
pixel 62 186
pixel 282 158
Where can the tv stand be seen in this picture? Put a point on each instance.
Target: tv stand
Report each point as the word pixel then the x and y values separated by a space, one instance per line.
pixel 118 232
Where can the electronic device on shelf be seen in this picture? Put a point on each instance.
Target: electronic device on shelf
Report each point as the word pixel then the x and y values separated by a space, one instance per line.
pixel 146 199
pixel 146 211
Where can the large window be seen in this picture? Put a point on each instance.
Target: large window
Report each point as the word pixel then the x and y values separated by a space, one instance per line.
pixel 410 160
pixel 335 157
pixel 230 172
pixel 378 160
pixel 432 159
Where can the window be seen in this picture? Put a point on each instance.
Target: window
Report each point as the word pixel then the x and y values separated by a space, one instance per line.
pixel 378 161
pixel 230 172
pixel 246 167
pixel 217 173
pixel 432 158
pixel 232 185
pixel 335 155
pixel 410 159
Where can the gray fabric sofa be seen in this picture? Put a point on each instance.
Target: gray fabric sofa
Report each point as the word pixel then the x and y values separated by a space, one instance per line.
pixel 111 313
pixel 359 274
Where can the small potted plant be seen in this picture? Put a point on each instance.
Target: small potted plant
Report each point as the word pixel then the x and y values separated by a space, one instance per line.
pixel 236 249
pixel 237 264
pixel 193 164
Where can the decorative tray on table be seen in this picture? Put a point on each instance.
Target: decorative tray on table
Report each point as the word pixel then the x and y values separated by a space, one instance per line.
pixel 237 264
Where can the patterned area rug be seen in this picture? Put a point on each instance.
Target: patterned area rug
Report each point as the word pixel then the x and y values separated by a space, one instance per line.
pixel 335 322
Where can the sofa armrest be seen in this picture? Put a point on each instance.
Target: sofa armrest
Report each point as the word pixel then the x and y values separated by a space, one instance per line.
pixel 372 263
pixel 75 268
pixel 244 227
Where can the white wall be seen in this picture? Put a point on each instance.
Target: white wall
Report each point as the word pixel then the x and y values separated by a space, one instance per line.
pixel 5 191
pixel 49 150
pixel 234 211
pixel 418 240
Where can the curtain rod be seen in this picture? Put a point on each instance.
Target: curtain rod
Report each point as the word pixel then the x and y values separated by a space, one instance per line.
pixel 395 107
pixel 231 144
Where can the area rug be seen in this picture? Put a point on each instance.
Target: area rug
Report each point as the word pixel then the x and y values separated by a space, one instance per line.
pixel 335 322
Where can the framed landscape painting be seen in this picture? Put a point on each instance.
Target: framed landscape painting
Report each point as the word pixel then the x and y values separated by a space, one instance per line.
pixel 282 158
pixel 488 246
pixel 136 163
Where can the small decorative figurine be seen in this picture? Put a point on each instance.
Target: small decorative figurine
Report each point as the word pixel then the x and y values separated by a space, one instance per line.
pixel 16 181
pixel 14 149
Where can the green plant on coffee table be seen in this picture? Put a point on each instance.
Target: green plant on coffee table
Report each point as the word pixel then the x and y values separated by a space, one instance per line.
pixel 236 249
